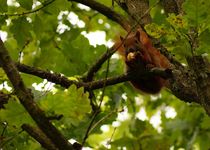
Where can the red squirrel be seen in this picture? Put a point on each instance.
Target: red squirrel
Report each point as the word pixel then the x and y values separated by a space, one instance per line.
pixel 139 54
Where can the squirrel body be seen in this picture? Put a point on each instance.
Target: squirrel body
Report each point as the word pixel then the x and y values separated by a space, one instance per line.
pixel 139 54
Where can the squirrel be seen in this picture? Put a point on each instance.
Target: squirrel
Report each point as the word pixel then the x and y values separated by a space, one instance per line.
pixel 139 55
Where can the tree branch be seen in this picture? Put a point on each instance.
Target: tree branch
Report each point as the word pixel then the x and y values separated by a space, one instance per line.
pixel 138 10
pixel 26 99
pixel 181 84
pixel 97 65
pixel 93 85
pixel 106 11
pixel 200 71
pixel 4 98
pixel 39 136
pixel 52 77
pixel 65 82
pixel 172 6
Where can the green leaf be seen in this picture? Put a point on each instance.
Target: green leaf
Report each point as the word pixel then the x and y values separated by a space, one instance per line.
pixel 177 125
pixel 12 47
pixel 21 30
pixel 182 47
pixel 78 131
pixel 156 13
pixel 127 142
pixel 51 58
pixel 38 26
pixel 137 127
pixel 3 6
pixel 30 53
pixel 197 11
pixel 3 76
pixel 27 4
pixel 74 53
pixel 154 30
pixel 18 137
pixel 205 122
pixel 29 80
pixel 15 114
pixel 41 45
pixel 73 103
pixel 177 22
pixel 3 20
pixel 204 41
pixel 43 31
pixel 201 141
pixel 57 6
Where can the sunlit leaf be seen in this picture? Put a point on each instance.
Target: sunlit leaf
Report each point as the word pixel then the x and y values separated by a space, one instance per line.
pixel 73 104
pixel 15 114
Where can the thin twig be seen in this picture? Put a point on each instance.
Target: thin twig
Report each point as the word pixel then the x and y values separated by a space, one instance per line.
pixel 45 4
pixel 112 135
pixel 100 102
pixel 5 124
pixel 10 139
pixel 102 119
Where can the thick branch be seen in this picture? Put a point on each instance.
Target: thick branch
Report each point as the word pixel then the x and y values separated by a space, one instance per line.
pixel 200 70
pixel 52 77
pixel 181 84
pixel 122 78
pixel 172 6
pixel 39 136
pixel 137 9
pixel 106 11
pixel 26 99
pixel 65 82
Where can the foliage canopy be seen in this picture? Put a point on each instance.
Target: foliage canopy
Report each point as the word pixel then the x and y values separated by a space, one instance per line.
pixel 51 35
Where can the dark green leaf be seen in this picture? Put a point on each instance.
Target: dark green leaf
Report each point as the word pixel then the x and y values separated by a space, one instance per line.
pixel 21 31
pixel 27 4
pixel 3 6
